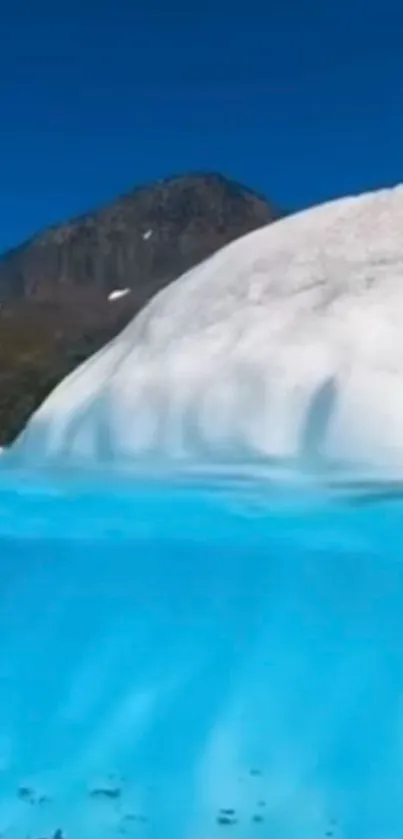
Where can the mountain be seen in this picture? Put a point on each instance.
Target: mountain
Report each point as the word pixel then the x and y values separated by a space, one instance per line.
pixel 146 238
pixel 286 343
pixel 73 287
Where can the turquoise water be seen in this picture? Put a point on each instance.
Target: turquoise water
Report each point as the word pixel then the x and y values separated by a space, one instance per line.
pixel 191 660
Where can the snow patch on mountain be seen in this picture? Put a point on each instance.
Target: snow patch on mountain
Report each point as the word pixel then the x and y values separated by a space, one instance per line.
pixel 118 293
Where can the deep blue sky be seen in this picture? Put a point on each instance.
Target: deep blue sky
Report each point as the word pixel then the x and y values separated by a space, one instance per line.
pixel 300 99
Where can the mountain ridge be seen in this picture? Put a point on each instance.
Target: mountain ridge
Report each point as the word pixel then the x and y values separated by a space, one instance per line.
pixel 194 205
pixel 107 203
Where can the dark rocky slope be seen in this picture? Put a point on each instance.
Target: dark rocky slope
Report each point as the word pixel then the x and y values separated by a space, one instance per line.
pixel 54 289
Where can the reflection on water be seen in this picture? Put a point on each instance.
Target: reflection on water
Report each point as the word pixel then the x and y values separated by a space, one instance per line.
pixel 187 659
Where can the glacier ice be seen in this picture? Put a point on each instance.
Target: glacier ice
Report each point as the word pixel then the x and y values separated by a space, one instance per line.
pixel 287 343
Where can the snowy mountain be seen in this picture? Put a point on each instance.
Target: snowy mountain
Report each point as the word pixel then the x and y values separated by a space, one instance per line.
pixel 286 343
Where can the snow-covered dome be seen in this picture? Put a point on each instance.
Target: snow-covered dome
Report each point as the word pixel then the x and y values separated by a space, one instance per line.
pixel 286 343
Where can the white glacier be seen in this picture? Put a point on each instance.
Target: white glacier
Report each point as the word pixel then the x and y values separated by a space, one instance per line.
pixel 286 343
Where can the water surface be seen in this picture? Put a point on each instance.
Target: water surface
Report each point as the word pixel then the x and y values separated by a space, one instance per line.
pixel 191 659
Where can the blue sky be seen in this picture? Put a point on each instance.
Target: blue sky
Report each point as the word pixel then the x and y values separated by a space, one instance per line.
pixel 301 100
